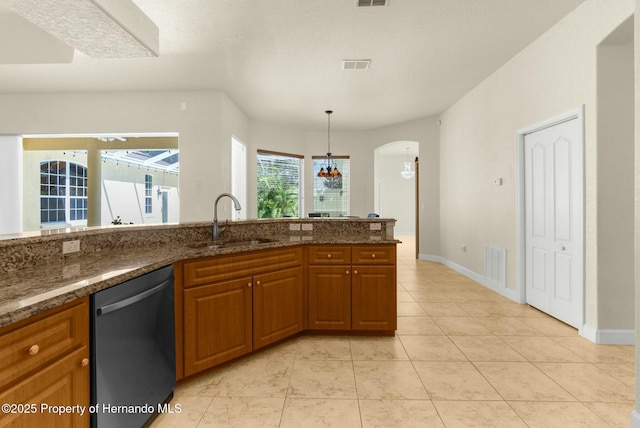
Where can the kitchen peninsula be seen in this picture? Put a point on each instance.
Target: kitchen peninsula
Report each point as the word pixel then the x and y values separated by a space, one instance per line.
pixel 268 280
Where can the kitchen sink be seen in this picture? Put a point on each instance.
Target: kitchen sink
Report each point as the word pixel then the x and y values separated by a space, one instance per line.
pixel 229 244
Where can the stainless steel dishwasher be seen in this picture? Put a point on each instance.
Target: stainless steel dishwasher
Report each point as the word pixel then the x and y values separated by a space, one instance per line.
pixel 133 350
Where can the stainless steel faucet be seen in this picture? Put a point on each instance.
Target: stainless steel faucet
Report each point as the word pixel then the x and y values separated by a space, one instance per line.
pixel 218 229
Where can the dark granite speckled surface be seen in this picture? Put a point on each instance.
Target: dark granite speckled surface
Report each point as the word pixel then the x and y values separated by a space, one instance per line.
pixel 35 276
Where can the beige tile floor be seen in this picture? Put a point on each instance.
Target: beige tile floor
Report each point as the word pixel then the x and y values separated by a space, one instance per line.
pixel 463 356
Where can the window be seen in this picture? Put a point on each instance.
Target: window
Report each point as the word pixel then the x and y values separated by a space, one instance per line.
pixel 63 192
pixel 332 196
pixel 279 184
pixel 148 200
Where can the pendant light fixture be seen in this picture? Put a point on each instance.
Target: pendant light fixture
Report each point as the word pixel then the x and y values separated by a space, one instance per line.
pixel 407 173
pixel 329 170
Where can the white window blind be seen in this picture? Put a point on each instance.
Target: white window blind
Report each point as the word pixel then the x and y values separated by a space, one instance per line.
pixel 332 196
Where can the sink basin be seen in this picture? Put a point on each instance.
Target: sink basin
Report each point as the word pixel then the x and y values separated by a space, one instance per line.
pixel 228 244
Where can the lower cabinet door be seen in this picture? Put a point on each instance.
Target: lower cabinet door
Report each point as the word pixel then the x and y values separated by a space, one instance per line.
pixel 217 323
pixel 277 306
pixel 329 297
pixel 32 401
pixel 373 298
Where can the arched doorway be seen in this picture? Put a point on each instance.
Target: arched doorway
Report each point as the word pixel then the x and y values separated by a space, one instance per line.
pixel 395 195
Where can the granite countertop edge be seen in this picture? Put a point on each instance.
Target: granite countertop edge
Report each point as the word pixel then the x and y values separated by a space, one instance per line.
pixel 28 292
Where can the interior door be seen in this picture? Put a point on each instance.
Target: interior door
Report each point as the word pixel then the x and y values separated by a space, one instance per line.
pixel 553 221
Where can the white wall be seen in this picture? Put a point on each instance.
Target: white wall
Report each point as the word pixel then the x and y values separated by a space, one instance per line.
pixel 360 146
pixel 426 132
pixel 615 115
pixel 11 184
pixel 635 418
pixel 554 74
pixel 204 129
pixel 396 196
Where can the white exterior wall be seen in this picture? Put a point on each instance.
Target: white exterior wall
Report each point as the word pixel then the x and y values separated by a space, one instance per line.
pixel 11 184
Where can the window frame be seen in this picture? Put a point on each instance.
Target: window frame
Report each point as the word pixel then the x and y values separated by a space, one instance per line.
pixel 345 185
pixel 70 194
pixel 300 183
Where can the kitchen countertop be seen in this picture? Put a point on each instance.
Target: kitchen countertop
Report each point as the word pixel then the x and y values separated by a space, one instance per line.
pixel 41 286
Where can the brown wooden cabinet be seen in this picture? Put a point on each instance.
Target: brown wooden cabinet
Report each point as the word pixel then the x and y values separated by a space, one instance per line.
pixel 352 288
pixel 373 296
pixel 236 303
pixel 329 297
pixel 277 306
pixel 217 323
pixel 45 360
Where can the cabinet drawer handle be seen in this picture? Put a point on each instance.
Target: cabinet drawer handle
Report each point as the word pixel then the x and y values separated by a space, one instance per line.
pixel 34 350
pixel 328 256
pixel 84 362
pixel 355 272
pixel 373 256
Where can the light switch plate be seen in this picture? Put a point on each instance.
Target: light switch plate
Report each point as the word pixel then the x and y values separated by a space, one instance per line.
pixel 375 226
pixel 294 226
pixel 307 226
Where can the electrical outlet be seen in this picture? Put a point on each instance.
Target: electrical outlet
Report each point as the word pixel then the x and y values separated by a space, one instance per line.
pixel 375 226
pixel 71 246
pixel 294 226
pixel 307 226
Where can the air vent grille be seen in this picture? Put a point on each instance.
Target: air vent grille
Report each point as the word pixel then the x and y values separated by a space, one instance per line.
pixel 495 265
pixel 356 64
pixel 369 3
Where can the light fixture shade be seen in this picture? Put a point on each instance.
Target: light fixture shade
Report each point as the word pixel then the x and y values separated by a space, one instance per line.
pixel 407 173
pixel 98 28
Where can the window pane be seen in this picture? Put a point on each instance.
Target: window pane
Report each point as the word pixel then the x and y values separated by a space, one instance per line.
pixel 279 186
pixel 148 200
pixel 58 182
pixel 331 196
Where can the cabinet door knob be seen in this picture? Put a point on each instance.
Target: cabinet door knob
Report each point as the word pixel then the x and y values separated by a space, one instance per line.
pixel 34 350
pixel 347 272
pixel 84 362
pixel 328 256
pixel 248 284
pixel 355 272
pixel 257 282
pixel 373 256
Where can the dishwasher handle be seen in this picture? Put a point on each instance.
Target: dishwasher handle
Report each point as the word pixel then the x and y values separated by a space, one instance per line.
pixel 131 300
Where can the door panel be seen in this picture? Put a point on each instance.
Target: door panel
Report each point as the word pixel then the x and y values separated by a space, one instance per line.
pixel 563 277
pixel 553 221
pixel 277 306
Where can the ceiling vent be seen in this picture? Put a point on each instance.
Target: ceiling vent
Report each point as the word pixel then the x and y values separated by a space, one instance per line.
pixel 356 64
pixel 369 3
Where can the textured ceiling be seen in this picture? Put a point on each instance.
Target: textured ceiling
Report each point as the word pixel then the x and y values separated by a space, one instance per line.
pixel 280 60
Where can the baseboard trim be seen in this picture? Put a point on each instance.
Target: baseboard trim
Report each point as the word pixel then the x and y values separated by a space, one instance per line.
pixel 481 279
pixel 602 336
pixel 608 336
pixel 635 419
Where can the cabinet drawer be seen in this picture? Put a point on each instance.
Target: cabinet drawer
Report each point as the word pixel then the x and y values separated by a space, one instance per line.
pixel 329 255
pixel 38 343
pixel 373 254
pixel 63 383
pixel 226 267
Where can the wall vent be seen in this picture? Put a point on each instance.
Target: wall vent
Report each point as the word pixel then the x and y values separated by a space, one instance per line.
pixel 495 265
pixel 369 3
pixel 356 64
